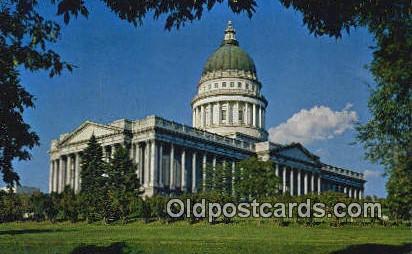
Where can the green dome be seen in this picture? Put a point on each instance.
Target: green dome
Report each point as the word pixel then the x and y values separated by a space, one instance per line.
pixel 229 57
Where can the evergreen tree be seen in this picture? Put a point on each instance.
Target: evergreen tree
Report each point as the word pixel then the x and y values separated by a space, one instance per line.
pixel 123 183
pixel 51 206
pixel 37 205
pixel 219 178
pixel 255 179
pixel 93 181
pixel 69 204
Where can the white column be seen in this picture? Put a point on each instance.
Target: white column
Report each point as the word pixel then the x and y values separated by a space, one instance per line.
pixel 345 190
pixel 56 175
pixel 61 174
pixel 146 164
pixel 350 192
pixel 219 111
pixel 70 173
pixel 305 183
pixel 260 117
pixel 172 167
pixel 73 179
pixel 254 115
pixel 299 182
pixel 141 163
pixel 319 185
pixel 113 151
pixel 237 113
pixel 277 174
pixel 233 177
pixel 153 164
pixel 183 172
pixel 246 113
pixel 312 183
pixel 360 194
pixel 284 181
pixel 291 182
pixel 214 162
pixel 202 116
pixel 77 174
pixel 194 172
pixel 51 177
pixel 263 118
pixel 227 113
pixel 210 114
pixel 161 183
pixel 355 193
pixel 204 171
pixel 137 158
pixel 194 117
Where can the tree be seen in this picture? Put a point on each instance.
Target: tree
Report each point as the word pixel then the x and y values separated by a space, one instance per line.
pixel 219 178
pixel 51 206
pixel 123 182
pixel 25 36
pixel 93 181
pixel 37 205
pixel 24 40
pixel 11 207
pixel 400 189
pixel 69 204
pixel 256 179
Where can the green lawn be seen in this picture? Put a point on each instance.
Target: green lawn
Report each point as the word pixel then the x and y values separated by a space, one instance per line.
pixel 181 237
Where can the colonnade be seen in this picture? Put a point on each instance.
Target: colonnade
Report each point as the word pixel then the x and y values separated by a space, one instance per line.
pixel 172 168
pixel 350 191
pixel 65 171
pixel 229 113
pixel 298 182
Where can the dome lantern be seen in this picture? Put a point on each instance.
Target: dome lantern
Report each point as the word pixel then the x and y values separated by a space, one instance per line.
pixel 230 35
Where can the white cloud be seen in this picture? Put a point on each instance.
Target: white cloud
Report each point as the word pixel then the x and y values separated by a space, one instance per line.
pixel 317 123
pixel 371 173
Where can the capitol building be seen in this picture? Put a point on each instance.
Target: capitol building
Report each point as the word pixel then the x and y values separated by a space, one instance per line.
pixel 228 125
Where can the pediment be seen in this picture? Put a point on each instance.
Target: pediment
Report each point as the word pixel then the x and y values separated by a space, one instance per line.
pixel 86 130
pixel 298 152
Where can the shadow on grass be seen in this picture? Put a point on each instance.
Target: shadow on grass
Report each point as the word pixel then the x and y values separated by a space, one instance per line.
pixel 114 248
pixel 376 249
pixel 26 231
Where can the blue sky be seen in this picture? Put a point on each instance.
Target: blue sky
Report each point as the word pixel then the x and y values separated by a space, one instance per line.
pixel 129 72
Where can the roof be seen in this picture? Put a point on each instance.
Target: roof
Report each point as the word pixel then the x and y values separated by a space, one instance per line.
pixel 229 56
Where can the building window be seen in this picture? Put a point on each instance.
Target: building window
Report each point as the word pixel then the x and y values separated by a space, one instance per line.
pixel 216 85
pixel 247 86
pixel 232 84
pixel 210 86
pixel 253 88
pixel 240 116
pixel 223 115
pixel 239 84
pixel 224 84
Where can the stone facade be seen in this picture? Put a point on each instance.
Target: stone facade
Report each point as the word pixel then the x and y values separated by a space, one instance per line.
pixel 228 126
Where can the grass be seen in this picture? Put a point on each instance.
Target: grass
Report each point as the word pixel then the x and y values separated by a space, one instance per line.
pixel 244 237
